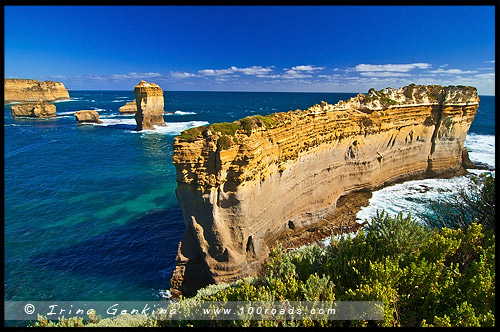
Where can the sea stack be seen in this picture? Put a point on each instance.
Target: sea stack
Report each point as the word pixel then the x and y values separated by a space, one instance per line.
pixel 149 101
pixel 22 90
pixel 40 109
pixel 87 116
pixel 241 185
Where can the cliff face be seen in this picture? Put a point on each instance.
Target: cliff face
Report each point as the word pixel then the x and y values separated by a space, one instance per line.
pixel 241 185
pixel 149 103
pixel 16 90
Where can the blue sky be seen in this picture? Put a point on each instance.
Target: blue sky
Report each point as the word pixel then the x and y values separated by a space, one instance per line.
pixel 252 48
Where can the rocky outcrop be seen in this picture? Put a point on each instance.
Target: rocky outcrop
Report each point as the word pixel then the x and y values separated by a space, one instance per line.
pixel 130 107
pixel 149 101
pixel 87 116
pixel 20 90
pixel 240 185
pixel 40 109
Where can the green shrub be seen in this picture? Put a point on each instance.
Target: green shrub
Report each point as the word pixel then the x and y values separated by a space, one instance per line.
pixel 224 142
pixel 248 124
pixel 225 128
pixel 267 121
pixel 192 134
pixel 424 276
pixel 252 122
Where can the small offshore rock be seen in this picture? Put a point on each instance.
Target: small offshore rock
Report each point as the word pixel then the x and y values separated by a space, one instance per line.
pixel 129 108
pixel 40 109
pixel 87 116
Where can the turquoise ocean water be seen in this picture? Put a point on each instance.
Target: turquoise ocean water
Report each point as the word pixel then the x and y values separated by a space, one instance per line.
pixel 90 211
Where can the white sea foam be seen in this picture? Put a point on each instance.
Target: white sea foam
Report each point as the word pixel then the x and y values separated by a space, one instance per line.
pixel 124 115
pixel 65 100
pixel 170 128
pixel 413 196
pixel 481 148
pixel 121 100
pixel 116 121
pixel 66 113
pixel 174 128
pixel 180 113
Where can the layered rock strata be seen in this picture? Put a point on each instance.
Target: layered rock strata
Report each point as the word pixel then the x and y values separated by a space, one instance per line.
pixel 149 101
pixel 130 107
pixel 87 116
pixel 241 185
pixel 40 109
pixel 20 90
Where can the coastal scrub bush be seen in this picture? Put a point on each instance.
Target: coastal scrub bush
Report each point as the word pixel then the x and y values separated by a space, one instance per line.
pixel 192 134
pixel 425 277
pixel 267 121
pixel 248 124
pixel 43 321
pixel 252 122
pixel 225 128
pixel 224 142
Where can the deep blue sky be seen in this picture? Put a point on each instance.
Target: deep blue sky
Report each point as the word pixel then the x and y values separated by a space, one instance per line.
pixel 256 48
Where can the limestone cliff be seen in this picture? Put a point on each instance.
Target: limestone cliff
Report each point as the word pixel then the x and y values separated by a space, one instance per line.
pixel 241 185
pixel 20 90
pixel 149 101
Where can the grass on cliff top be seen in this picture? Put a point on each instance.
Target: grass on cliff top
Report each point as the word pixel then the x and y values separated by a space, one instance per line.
pixel 257 121
pixel 247 124
pixel 225 128
pixel 192 134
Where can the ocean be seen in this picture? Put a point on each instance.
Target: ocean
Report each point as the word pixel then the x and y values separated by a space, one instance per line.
pixel 90 212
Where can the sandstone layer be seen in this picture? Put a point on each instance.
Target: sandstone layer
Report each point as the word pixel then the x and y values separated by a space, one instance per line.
pixel 20 90
pixel 242 185
pixel 87 116
pixel 149 101
pixel 130 107
pixel 40 109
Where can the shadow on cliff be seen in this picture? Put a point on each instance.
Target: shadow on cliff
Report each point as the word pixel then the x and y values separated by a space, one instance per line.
pixel 138 254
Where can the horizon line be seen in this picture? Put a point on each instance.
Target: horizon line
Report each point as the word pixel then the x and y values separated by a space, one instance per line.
pixel 245 91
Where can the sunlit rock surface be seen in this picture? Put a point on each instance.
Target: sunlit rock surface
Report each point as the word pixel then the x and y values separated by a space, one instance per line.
pixel 238 192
